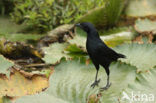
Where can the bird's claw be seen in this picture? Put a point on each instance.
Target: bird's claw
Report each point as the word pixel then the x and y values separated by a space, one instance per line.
pixel 95 83
pixel 106 87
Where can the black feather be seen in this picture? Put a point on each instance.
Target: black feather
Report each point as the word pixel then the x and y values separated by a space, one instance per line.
pixel 98 51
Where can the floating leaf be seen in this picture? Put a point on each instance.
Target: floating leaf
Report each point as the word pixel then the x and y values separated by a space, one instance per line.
pixel 118 38
pixel 142 56
pixel 74 49
pixel 113 39
pixel 143 89
pixel 79 39
pixel 20 84
pixel 54 53
pixel 141 8
pixel 114 30
pixel 40 98
pixel 145 26
pixel 72 79
pixel 5 65
pixel 76 52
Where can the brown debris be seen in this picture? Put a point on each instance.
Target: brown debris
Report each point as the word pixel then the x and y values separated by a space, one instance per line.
pixel 94 98
pixel 16 50
pixel 138 39
pixel 59 34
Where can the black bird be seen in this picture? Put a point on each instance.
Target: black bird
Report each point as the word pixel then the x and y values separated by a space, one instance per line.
pixel 99 52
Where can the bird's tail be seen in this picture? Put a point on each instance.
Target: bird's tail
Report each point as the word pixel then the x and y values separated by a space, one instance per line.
pixel 121 56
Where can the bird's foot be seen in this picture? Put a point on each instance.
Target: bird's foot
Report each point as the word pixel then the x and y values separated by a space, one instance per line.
pixel 106 87
pixel 96 82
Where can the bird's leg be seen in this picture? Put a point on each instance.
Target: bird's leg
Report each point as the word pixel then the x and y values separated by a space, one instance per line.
pixel 107 85
pixel 96 82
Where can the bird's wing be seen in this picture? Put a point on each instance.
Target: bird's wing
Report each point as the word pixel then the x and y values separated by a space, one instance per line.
pixel 106 52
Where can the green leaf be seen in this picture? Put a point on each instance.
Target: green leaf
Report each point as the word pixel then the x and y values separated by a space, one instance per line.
pixel 76 52
pixel 74 49
pixel 20 37
pixel 10 31
pixel 114 30
pixel 141 8
pixel 79 39
pixel 54 53
pixel 145 26
pixel 40 98
pixel 142 56
pixel 5 65
pixel 8 27
pixel 72 79
pixel 107 15
pixel 144 85
pixel 92 16
pixel 113 39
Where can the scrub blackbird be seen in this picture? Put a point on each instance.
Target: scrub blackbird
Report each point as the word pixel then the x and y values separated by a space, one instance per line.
pixel 99 52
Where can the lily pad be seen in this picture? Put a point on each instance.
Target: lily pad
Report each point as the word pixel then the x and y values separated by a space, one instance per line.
pixel 145 26
pixel 5 64
pixel 22 83
pixel 72 79
pixel 113 39
pixel 141 8
pixel 118 38
pixel 143 89
pixel 40 98
pixel 79 39
pixel 142 56
pixel 55 52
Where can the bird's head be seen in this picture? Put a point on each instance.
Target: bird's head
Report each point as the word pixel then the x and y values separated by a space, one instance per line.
pixel 86 26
